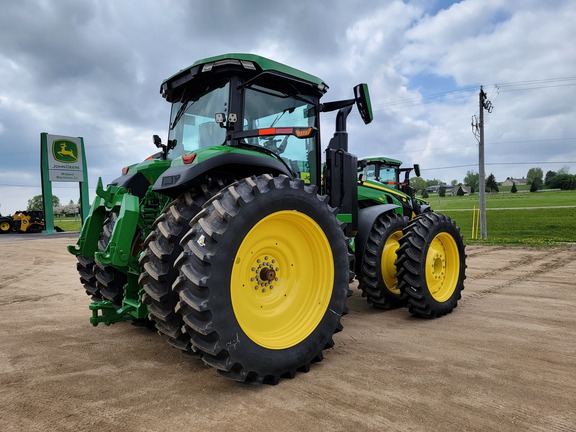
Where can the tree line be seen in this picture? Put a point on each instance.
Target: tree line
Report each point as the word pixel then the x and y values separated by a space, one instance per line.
pixel 561 179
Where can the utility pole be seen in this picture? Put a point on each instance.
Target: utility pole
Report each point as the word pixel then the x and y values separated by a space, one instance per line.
pixel 485 104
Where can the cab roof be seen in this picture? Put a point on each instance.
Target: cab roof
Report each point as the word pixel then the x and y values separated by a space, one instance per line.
pixel 248 63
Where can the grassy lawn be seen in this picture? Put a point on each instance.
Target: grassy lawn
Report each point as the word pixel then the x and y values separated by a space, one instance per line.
pixel 505 200
pixel 68 223
pixel 523 224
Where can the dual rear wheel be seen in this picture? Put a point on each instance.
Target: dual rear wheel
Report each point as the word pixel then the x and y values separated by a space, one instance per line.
pixel 262 279
pixel 419 263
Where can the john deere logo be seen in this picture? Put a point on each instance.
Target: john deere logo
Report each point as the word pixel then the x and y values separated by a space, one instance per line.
pixel 65 151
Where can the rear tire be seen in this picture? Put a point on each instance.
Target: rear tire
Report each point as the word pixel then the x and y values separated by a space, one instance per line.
pixel 263 279
pixel 378 280
pixel 161 248
pixel 431 265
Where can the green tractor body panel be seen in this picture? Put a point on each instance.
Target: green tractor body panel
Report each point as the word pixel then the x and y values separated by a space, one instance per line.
pixel 221 161
pixel 151 169
pixel 136 214
pixel 373 193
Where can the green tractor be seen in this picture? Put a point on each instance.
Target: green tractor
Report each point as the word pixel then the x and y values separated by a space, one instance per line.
pixel 235 242
pixel 379 182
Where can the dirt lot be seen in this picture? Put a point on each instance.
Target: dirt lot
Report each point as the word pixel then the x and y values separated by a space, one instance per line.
pixel 504 360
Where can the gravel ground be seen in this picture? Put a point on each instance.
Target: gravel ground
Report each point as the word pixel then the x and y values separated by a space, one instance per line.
pixel 504 360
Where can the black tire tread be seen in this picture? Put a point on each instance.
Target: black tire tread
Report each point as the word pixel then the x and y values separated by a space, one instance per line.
pixel 201 246
pixel 109 280
pixel 161 248
pixel 370 281
pixel 85 267
pixel 410 264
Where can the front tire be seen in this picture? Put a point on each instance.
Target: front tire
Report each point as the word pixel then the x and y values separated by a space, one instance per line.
pixel 109 280
pixel 431 265
pixel 5 225
pixel 263 279
pixel 85 267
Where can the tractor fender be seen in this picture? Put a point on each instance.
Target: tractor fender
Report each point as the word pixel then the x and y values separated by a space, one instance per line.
pixel 366 218
pixel 136 183
pixel 177 179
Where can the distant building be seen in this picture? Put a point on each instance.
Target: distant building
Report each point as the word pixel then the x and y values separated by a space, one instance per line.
pixel 436 188
pixel 519 182
pixel 466 190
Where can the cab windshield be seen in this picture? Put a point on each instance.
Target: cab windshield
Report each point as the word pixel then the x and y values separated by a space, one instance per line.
pixel 384 174
pixel 192 122
pixel 266 108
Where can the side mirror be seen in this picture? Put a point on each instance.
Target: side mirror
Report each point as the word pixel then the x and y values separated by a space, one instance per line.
pixel 417 170
pixel 157 141
pixel 362 98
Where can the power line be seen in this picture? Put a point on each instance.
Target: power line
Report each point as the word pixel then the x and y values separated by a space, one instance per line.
pixel 497 88
pixel 501 163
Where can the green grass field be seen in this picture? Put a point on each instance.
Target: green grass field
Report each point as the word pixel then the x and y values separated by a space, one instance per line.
pixel 523 220
pixel 505 200
pixel 527 218
pixel 68 223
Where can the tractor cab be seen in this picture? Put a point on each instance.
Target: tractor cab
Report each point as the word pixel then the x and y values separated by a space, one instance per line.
pixel 246 110
pixel 238 115
pixel 387 171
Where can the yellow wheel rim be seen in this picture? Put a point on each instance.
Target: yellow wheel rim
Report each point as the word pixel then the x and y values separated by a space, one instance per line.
pixel 442 267
pixel 4 226
pixel 282 279
pixel 387 262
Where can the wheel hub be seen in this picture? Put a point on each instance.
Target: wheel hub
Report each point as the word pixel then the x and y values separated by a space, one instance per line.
pixel 264 273
pixel 438 266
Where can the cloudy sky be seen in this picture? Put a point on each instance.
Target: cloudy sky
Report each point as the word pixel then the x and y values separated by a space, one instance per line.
pixel 93 68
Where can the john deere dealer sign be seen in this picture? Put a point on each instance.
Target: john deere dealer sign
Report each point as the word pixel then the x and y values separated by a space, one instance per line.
pixel 64 158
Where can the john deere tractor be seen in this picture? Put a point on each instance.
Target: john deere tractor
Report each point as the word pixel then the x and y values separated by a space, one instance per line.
pixel 235 243
pixel 379 182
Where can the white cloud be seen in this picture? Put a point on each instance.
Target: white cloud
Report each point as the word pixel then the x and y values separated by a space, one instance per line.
pixel 93 69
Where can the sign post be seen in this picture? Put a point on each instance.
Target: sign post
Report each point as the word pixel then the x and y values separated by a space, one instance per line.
pixel 62 160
